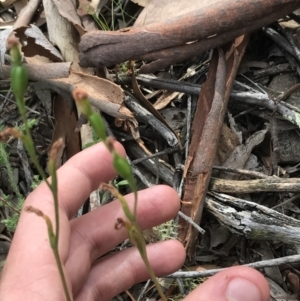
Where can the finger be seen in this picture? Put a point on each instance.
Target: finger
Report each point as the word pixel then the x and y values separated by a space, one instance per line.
pixel 114 274
pixel 78 177
pixel 94 234
pixel 30 250
pixel 233 284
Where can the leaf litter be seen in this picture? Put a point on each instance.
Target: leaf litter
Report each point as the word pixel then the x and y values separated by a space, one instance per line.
pixel 233 112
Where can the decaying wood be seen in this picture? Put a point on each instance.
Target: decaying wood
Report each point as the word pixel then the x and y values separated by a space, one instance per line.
pixel 244 172
pixel 40 72
pixel 265 101
pixel 252 220
pixel 214 18
pixel 166 57
pixel 157 167
pixel 159 83
pixel 252 186
pixel 206 130
pixel 148 118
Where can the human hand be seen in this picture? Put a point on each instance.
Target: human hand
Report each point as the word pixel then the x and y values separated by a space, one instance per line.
pixel 30 272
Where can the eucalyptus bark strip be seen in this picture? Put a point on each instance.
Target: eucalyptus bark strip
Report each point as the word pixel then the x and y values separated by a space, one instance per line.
pixel 214 18
pixel 206 128
pixel 208 120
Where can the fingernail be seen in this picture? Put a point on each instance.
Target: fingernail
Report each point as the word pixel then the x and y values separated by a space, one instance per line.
pixel 240 289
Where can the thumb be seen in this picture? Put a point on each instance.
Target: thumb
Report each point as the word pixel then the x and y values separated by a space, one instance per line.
pixel 233 284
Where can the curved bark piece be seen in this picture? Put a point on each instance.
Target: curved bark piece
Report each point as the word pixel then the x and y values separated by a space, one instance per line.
pixel 207 124
pixel 213 18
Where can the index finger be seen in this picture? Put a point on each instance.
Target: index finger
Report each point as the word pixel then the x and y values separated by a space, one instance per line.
pixel 77 178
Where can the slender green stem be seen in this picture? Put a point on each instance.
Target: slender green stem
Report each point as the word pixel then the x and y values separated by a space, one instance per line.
pixel 30 149
pixel 61 273
pixel 153 277
pixel 123 168
pixel 19 82
pixel 29 145
pixel 56 206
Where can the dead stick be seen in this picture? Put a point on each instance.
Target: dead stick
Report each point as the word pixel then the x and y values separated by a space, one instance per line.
pixel 41 72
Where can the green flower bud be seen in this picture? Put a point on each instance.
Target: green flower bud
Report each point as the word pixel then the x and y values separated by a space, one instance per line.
pixel 124 170
pixel 19 82
pixel 98 125
pixel 95 119
pixel 13 44
pixel 82 102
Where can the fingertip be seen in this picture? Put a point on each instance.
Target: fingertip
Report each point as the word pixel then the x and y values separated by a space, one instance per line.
pixel 177 255
pixel 170 198
pixel 156 205
pixel 119 148
pixel 238 283
pixel 166 257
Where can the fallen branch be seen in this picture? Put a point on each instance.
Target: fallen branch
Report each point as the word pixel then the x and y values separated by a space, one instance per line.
pixel 213 24
pixel 41 72
pixel 252 220
pixel 254 186
pixel 256 265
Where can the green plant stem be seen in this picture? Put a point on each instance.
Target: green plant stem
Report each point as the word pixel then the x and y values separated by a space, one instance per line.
pixel 123 168
pixel 135 235
pixel 56 206
pixel 19 82
pixel 61 273
pixel 29 143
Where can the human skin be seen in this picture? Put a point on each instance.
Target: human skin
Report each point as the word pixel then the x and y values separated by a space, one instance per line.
pixel 30 272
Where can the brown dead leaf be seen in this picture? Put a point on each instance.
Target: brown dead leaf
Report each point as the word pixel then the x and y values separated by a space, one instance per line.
pixel 19 5
pixel 157 10
pixel 228 142
pixel 165 99
pixel 104 95
pixel 37 43
pixel 67 10
pixel 148 105
pixel 61 32
pixel 293 280
pixel 240 155
pixel 85 10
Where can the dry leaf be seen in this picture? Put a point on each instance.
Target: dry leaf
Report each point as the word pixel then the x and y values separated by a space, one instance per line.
pixel 3 37
pixel 240 155
pixel 37 43
pixel 62 33
pixel 67 10
pixel 104 95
